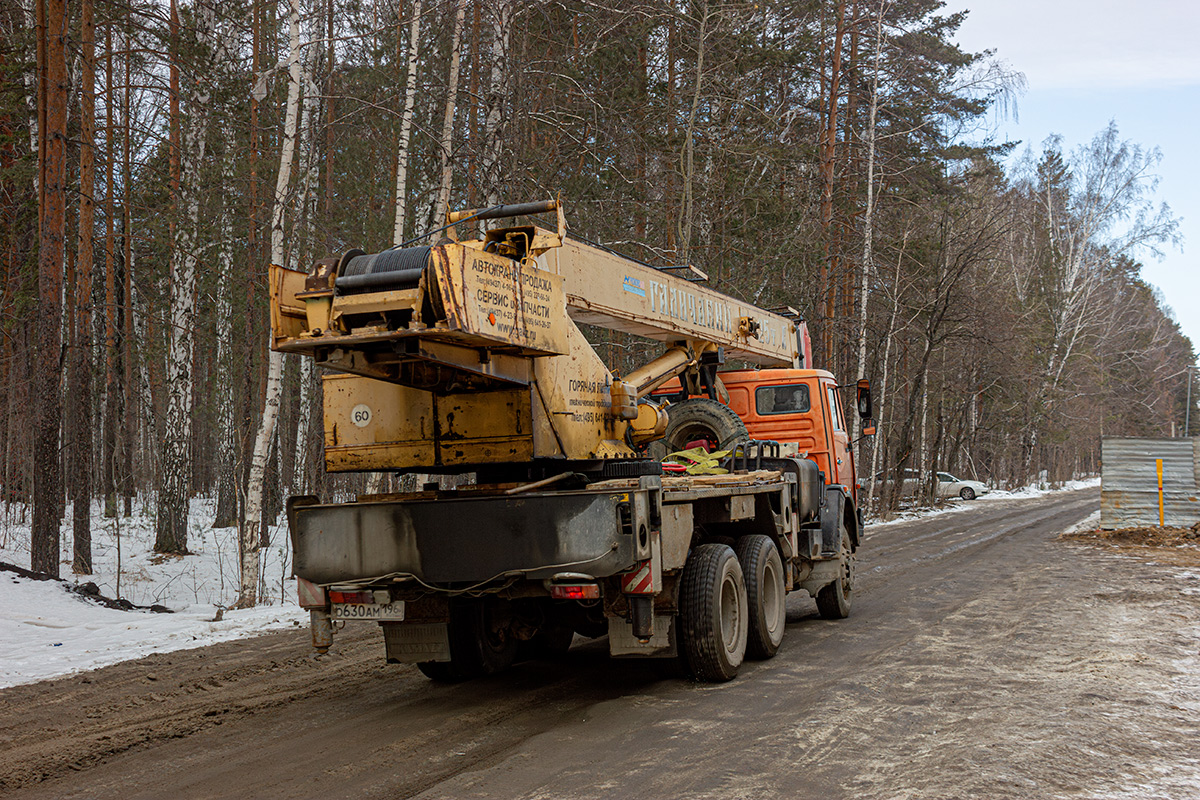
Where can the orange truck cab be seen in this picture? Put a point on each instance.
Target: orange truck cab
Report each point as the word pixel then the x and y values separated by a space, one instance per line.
pixel 804 411
pixel 800 409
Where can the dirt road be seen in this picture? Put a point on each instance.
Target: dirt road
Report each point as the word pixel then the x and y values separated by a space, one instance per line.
pixel 984 659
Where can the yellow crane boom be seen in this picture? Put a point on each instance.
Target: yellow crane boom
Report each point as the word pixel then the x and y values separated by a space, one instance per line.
pixel 465 353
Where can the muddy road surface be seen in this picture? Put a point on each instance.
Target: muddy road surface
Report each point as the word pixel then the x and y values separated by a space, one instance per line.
pixel 984 658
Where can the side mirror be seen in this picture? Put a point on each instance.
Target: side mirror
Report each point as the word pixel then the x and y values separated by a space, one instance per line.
pixel 864 399
pixel 868 428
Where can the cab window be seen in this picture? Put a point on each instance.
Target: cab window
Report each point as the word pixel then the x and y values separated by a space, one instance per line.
pixel 790 399
pixel 835 409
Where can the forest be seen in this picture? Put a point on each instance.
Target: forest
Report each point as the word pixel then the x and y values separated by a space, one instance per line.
pixel 835 156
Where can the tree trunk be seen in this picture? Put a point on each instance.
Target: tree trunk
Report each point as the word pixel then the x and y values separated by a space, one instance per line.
pixel 81 369
pixel 129 402
pixel 174 484
pixel 446 142
pixel 828 163
pixel 881 395
pixel 406 118
pixel 330 139
pixel 251 533
pixel 227 449
pixel 303 231
pixel 108 448
pixel 686 155
pixel 473 110
pixel 497 96
pixel 52 169
pixel 868 256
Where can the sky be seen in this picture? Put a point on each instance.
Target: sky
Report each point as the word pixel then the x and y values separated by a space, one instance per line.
pixel 1089 62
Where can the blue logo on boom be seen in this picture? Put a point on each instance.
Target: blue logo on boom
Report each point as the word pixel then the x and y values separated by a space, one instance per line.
pixel 635 285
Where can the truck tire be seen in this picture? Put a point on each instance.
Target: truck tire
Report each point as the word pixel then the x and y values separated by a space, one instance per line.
pixel 550 643
pixel 699 418
pixel 833 602
pixel 478 646
pixel 765 594
pixel 712 613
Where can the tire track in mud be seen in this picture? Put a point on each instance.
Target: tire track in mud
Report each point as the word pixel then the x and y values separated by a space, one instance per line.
pixel 707 725
pixel 1003 670
pixel 803 621
pixel 73 723
pixel 960 674
pixel 230 720
pixel 139 705
pixel 894 538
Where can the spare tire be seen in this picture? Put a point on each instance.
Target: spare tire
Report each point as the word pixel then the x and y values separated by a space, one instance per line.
pixel 699 419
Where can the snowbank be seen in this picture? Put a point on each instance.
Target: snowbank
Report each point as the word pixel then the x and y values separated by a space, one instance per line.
pixel 955 505
pixel 47 631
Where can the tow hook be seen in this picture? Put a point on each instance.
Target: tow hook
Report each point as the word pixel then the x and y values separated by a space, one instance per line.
pixel 322 630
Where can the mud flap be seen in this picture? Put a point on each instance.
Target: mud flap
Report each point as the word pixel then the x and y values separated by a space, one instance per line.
pixel 409 643
pixel 622 642
pixel 831 516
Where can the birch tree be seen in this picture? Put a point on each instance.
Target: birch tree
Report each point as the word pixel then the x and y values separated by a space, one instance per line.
pixel 227 449
pixel 251 531
pixel 1096 208
pixel 446 140
pixel 868 253
pixel 175 463
pixel 496 100
pixel 406 120
pixel 303 244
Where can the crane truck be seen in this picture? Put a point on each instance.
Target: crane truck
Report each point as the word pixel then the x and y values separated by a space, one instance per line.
pixel 466 357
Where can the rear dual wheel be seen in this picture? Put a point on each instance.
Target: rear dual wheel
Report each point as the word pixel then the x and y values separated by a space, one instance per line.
pixel 713 613
pixel 765 594
pixel 481 643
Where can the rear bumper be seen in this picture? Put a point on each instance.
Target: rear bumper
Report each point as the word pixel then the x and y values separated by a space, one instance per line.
pixel 474 539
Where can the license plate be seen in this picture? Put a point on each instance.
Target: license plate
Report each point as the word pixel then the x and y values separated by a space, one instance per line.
pixel 391 611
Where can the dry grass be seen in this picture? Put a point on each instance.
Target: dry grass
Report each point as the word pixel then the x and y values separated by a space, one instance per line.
pixel 1176 546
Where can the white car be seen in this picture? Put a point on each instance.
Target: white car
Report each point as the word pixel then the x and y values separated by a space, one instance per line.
pixel 950 486
pixel 947 485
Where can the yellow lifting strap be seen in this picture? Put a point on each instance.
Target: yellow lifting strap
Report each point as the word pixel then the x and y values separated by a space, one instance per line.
pixel 699 461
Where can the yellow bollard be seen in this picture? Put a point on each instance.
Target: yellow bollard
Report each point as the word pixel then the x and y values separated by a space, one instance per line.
pixel 1158 465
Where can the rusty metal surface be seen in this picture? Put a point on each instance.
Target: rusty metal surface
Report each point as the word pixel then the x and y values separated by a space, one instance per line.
pixel 371 424
pixel 473 539
pixel 1129 482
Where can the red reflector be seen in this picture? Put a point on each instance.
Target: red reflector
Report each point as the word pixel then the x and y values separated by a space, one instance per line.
pixel 582 591
pixel 350 597
pixel 309 594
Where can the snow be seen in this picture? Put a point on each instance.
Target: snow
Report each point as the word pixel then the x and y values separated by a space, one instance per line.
pixel 47 631
pixel 955 505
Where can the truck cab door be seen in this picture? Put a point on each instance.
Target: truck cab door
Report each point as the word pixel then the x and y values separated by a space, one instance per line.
pixel 843 461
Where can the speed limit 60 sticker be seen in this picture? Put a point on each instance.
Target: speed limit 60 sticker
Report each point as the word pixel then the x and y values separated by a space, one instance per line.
pixel 360 415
